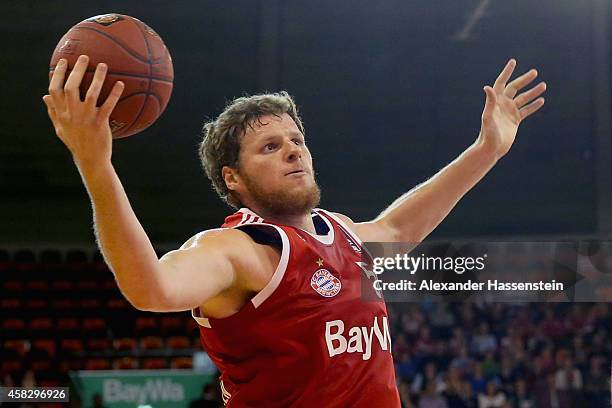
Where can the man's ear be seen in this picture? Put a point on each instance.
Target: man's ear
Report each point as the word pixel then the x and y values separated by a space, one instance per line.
pixel 230 176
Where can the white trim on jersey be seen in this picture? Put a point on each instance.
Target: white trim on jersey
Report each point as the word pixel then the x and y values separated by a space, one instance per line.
pixel 327 239
pixel 343 224
pixel 202 321
pixel 276 278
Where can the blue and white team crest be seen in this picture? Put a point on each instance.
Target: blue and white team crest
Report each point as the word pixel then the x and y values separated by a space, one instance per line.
pixel 325 284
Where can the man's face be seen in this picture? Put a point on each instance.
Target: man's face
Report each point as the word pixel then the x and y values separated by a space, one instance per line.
pixel 275 174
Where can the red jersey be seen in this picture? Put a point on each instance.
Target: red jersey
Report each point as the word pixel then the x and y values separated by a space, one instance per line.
pixel 307 339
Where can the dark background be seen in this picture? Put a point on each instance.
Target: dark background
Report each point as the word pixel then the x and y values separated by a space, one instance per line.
pixel 390 92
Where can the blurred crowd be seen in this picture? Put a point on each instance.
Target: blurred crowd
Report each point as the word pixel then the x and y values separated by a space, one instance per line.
pixel 502 355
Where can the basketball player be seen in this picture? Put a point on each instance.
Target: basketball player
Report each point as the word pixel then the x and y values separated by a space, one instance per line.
pixel 277 289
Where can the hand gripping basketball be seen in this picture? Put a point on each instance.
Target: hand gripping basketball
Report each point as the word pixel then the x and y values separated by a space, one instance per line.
pixel 80 125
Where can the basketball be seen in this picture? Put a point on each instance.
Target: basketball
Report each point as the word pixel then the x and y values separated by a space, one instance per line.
pixel 135 55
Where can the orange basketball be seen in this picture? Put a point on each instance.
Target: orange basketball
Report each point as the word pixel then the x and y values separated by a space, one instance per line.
pixel 135 55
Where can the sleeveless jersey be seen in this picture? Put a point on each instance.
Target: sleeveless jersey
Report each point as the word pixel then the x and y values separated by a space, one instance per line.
pixel 307 339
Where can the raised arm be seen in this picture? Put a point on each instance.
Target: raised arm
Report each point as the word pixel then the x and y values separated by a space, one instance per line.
pixel 183 279
pixel 417 213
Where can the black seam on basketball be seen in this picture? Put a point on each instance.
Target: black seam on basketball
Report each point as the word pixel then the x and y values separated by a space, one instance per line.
pixel 126 74
pixel 149 80
pixel 141 93
pixel 128 50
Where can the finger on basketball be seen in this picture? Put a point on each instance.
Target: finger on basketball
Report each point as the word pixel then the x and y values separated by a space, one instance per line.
pixel 107 108
pixel 530 95
pixel 504 76
pixel 74 79
pixel 96 84
pixel 56 85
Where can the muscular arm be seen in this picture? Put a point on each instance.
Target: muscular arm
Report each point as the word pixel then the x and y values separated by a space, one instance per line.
pixel 181 280
pixel 418 212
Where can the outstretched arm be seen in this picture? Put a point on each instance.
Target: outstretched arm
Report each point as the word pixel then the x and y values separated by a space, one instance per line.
pixel 181 280
pixel 413 216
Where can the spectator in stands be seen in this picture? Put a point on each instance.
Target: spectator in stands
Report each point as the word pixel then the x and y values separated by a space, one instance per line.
pixel 405 396
pixel 484 341
pixel 493 398
pixel 431 399
pixel 429 376
pixel 596 383
pixel 568 382
pixel 490 366
pixel 521 398
pixel 478 381
pixel 453 388
pixel 28 379
pixel 406 366
pixel 463 361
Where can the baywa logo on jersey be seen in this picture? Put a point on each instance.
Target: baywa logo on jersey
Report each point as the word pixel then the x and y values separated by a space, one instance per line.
pixel 325 284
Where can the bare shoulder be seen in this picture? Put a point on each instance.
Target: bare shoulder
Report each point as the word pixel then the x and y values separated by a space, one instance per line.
pixel 369 231
pixel 345 218
pixel 250 261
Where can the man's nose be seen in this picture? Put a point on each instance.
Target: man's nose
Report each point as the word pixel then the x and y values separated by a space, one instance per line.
pixel 293 152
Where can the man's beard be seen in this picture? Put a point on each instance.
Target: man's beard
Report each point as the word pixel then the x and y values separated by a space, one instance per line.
pixel 283 202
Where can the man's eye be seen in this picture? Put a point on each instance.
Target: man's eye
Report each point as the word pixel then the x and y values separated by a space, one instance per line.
pixel 270 146
pixel 298 142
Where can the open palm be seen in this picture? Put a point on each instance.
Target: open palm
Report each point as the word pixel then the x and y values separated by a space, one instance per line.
pixel 505 110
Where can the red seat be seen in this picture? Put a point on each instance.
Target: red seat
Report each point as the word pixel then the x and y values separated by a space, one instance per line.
pixel 64 304
pixel 10 366
pixel 147 325
pixel 124 343
pixel 70 365
pixel 178 342
pixel 67 324
pixel 98 344
pixel 71 345
pixel 125 363
pixel 154 363
pixel 94 324
pixel 151 343
pixel 117 303
pixel 9 305
pixel 90 304
pixel 181 362
pixel 41 365
pixel 37 284
pixel 172 325
pixel 97 364
pixel 48 345
pixel 41 325
pixel 20 347
pixel 36 304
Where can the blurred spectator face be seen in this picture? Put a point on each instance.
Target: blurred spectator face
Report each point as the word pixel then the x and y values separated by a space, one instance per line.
pixel 596 364
pixel 520 387
pixel 491 388
pixel 430 370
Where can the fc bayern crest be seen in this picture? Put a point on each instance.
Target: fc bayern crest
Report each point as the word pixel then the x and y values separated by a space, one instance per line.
pixel 325 284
